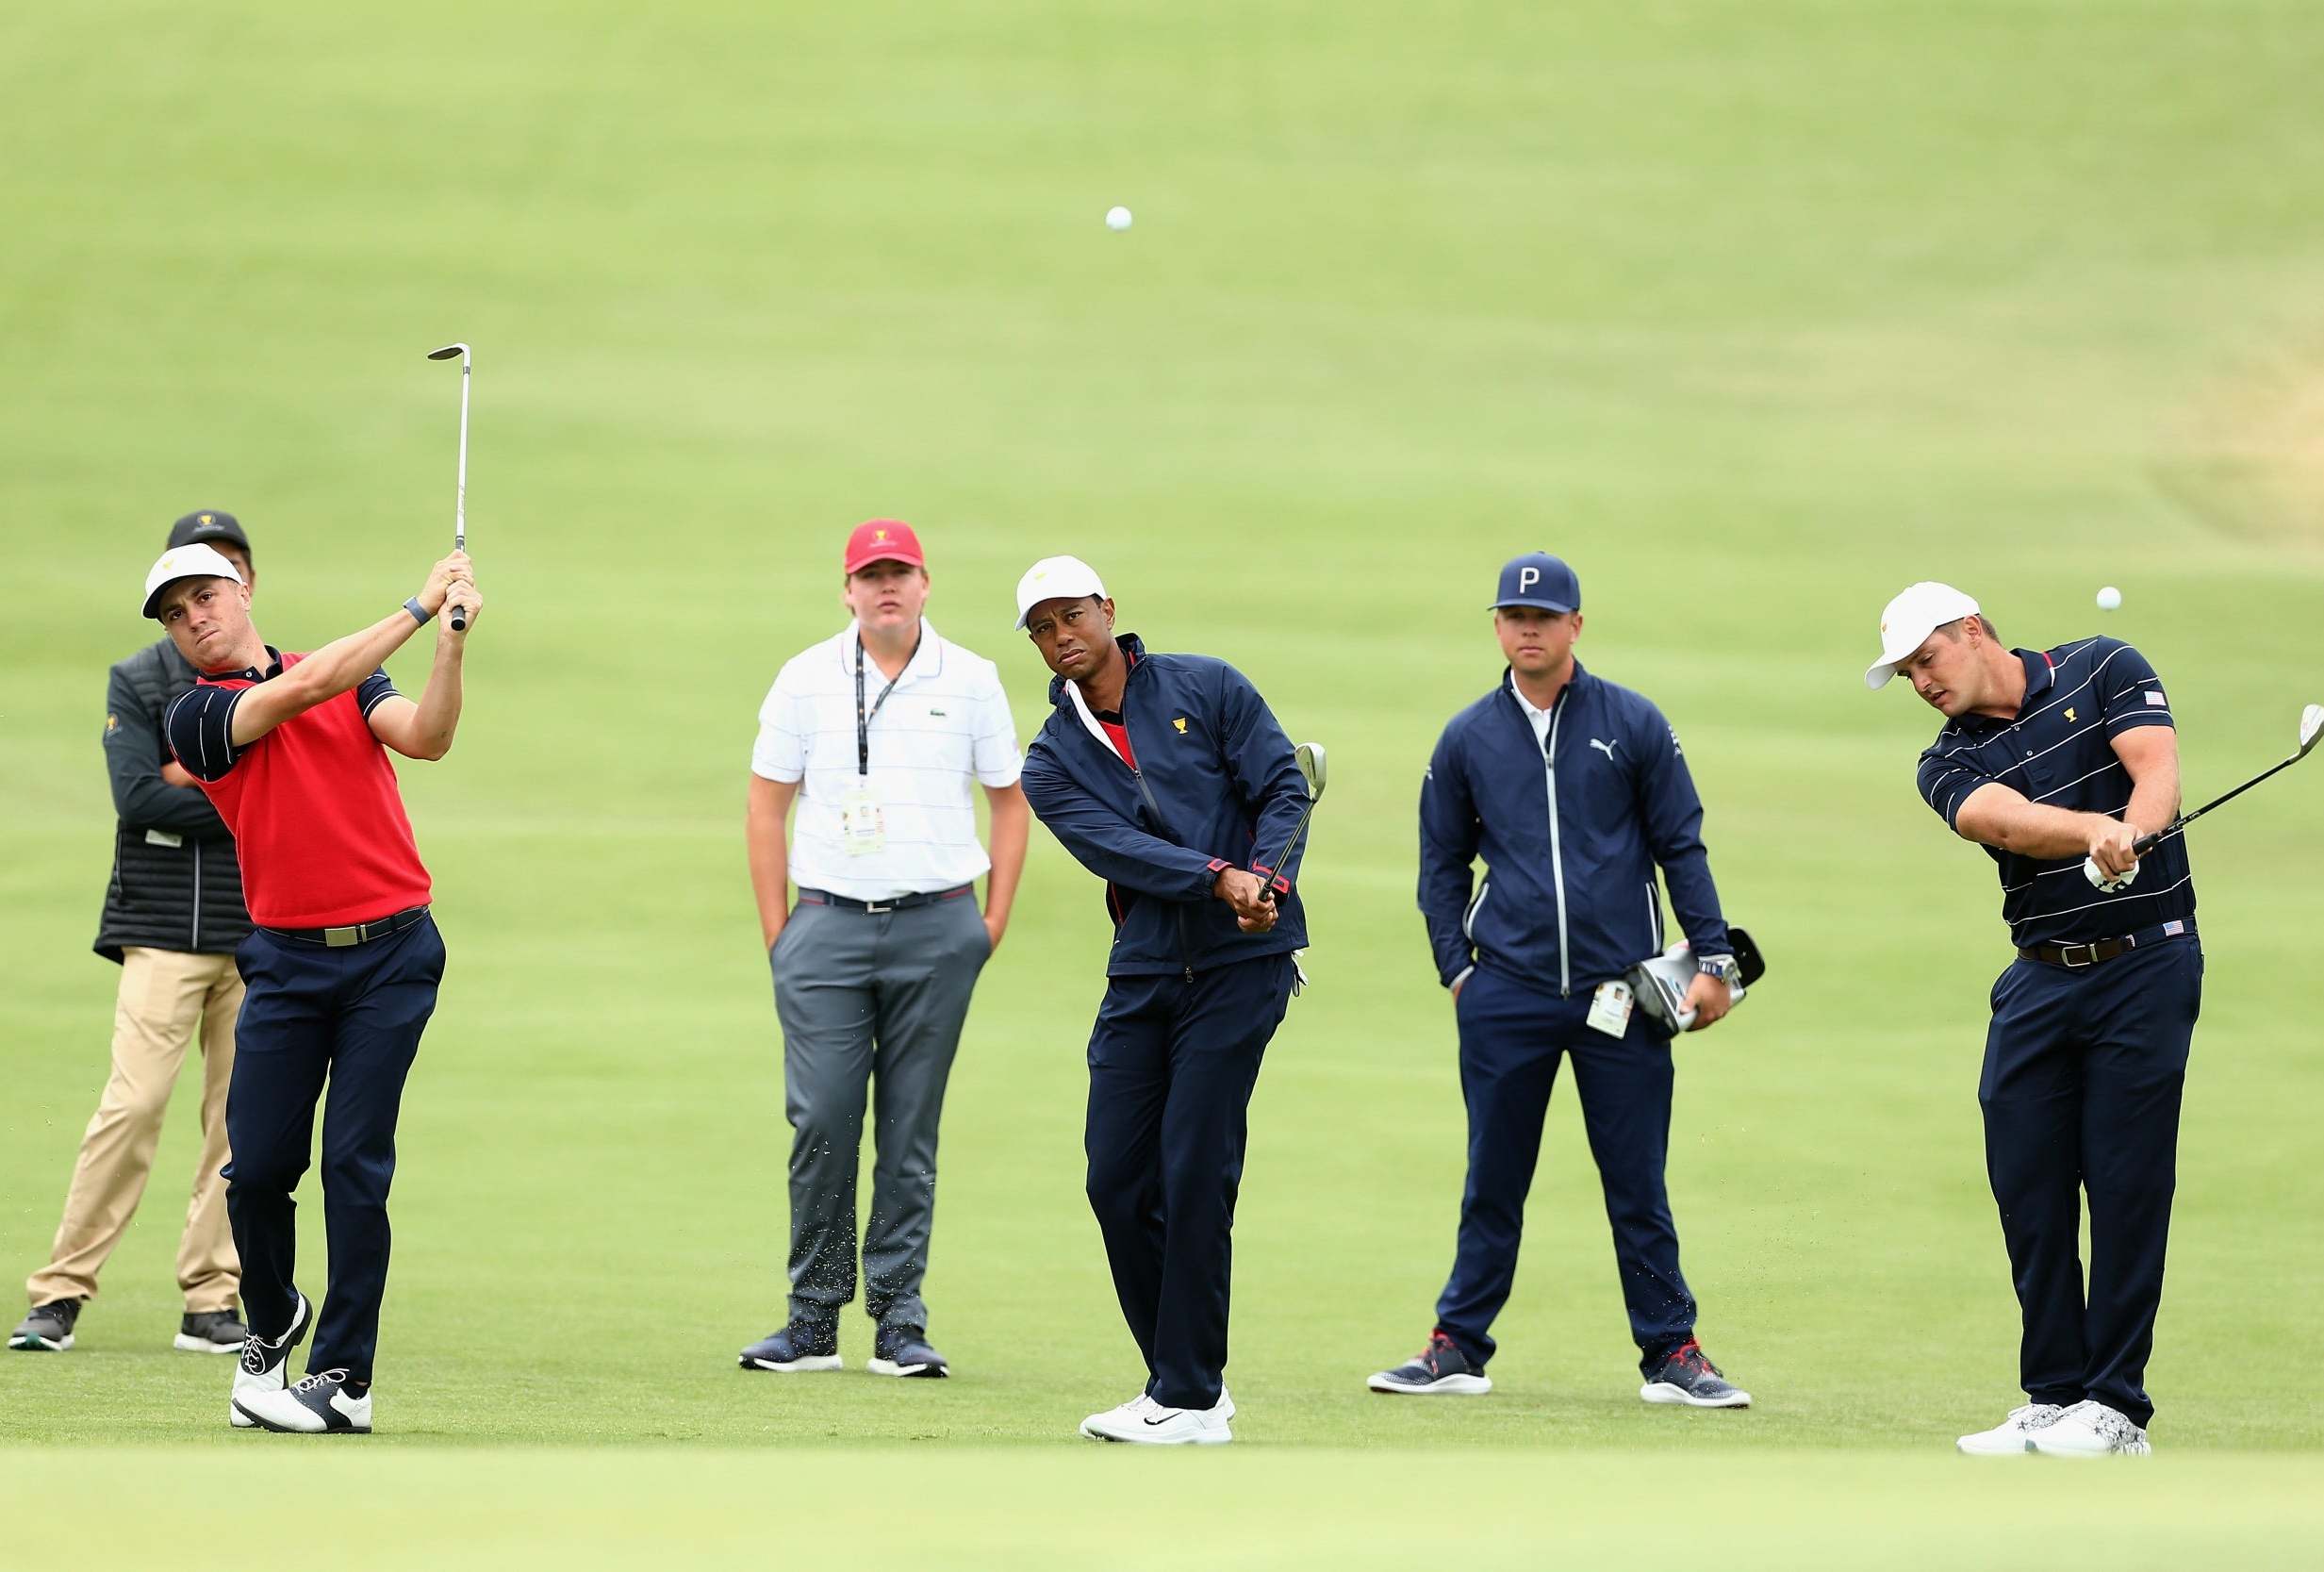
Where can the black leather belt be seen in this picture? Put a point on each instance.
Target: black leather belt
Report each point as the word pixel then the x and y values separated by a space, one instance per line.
pixel 360 932
pixel 2074 957
pixel 897 903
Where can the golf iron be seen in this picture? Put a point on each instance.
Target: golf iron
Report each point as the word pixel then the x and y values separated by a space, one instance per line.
pixel 1309 757
pixel 460 495
pixel 2311 727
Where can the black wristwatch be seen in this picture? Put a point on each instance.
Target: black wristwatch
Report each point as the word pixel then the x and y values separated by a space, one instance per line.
pixel 1725 968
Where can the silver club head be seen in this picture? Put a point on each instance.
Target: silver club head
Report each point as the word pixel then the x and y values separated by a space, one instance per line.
pixel 2311 727
pixel 1309 757
pixel 448 352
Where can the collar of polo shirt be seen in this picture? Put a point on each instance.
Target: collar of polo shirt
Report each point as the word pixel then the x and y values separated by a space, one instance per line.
pixel 927 661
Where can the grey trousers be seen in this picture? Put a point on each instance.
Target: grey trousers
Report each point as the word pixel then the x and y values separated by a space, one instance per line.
pixel 870 1002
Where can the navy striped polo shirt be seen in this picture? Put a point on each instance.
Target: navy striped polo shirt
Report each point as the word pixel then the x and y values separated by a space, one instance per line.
pixel 2059 751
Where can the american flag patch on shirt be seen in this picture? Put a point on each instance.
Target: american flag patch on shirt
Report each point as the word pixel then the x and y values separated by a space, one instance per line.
pixel 2155 698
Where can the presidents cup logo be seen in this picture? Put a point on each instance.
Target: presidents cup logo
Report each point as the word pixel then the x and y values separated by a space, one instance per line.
pixel 209 518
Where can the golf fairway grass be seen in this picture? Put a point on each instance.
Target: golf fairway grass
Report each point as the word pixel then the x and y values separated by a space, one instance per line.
pixel 1755 314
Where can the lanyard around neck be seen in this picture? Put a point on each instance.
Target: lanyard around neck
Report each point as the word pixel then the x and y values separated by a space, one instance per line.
pixel 864 718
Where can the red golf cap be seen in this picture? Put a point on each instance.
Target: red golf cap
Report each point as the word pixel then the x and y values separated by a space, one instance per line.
pixel 882 540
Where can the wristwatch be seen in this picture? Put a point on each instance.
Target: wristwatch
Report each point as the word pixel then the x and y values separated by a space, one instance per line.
pixel 1722 967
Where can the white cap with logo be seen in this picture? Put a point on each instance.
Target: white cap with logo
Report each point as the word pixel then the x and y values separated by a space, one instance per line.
pixel 1055 578
pixel 1906 622
pixel 185 562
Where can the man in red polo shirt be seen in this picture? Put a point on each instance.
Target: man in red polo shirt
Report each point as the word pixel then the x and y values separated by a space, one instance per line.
pixel 343 962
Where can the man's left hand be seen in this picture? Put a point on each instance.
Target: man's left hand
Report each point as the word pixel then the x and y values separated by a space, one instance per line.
pixel 994 928
pixel 175 773
pixel 1709 998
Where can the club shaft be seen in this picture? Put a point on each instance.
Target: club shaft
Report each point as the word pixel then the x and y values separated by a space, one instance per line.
pixel 460 495
pixel 1290 844
pixel 2148 843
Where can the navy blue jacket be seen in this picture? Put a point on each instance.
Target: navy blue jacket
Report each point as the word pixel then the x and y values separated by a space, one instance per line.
pixel 1570 834
pixel 1215 784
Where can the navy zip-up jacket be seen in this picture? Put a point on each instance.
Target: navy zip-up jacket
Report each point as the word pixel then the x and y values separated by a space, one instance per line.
pixel 1216 786
pixel 1571 831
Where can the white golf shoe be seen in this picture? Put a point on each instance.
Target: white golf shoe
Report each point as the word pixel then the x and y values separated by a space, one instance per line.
pixel 319 1405
pixel 2091 1430
pixel 1142 1421
pixel 261 1369
pixel 2013 1436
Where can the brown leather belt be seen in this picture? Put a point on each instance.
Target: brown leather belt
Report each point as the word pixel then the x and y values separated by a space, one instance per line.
pixel 2074 957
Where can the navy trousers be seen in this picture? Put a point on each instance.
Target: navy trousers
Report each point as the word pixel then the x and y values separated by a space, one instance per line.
pixel 351 1017
pixel 2083 1073
pixel 1511 1038
pixel 1172 1063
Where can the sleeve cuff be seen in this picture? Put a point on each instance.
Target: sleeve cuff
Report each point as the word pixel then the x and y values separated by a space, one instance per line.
pixel 1275 881
pixel 1459 977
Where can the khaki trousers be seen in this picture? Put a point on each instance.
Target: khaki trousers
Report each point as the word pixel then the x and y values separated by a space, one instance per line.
pixel 165 994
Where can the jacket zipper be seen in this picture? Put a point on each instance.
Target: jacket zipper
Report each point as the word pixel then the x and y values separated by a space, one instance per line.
pixel 197 895
pixel 1177 917
pixel 1557 853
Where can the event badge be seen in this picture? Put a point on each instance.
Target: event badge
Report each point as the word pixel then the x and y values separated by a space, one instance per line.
pixel 1610 1012
pixel 862 824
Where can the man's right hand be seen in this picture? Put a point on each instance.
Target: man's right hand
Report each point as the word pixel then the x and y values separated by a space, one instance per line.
pixel 440 580
pixel 1246 893
pixel 177 775
pixel 2111 843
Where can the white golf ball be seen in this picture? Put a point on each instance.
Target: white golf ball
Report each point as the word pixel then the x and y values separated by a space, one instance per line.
pixel 2110 599
pixel 1118 219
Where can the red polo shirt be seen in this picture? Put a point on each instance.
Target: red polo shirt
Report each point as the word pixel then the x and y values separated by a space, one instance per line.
pixel 318 823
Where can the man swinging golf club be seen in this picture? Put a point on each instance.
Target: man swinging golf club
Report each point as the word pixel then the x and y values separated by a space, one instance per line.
pixel 1167 776
pixel 2050 759
pixel 343 964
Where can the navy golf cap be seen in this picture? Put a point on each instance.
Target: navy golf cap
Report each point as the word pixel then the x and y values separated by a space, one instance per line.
pixel 206 528
pixel 1539 579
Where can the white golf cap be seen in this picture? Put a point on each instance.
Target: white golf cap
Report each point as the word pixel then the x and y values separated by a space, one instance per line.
pixel 185 562
pixel 1906 622
pixel 1056 578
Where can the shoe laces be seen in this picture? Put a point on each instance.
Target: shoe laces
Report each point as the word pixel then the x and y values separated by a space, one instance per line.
pixel 321 1378
pixel 1690 1356
pixel 254 1354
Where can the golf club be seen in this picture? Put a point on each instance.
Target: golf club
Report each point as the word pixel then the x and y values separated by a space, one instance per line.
pixel 459 496
pixel 1310 756
pixel 2311 727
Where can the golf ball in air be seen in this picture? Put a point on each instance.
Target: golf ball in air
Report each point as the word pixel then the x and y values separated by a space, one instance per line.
pixel 1118 219
pixel 2110 599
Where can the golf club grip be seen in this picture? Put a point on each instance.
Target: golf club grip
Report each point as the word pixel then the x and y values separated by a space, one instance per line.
pixel 2145 844
pixel 460 619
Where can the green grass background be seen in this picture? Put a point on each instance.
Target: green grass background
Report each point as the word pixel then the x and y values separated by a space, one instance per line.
pixel 1755 313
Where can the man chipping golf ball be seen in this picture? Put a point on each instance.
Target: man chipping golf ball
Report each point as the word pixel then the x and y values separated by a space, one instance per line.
pixel 1167 777
pixel 2049 758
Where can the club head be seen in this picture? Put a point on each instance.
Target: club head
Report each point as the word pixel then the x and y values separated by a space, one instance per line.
pixel 448 352
pixel 2311 727
pixel 1309 757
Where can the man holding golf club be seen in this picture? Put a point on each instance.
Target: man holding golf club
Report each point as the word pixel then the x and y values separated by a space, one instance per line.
pixel 1572 790
pixel 1167 776
pixel 342 964
pixel 2058 762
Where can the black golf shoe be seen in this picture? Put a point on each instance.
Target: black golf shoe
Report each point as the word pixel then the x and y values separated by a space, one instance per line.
pixel 797 1349
pixel 210 1331
pixel 48 1329
pixel 904 1351
pixel 1438 1370
pixel 1686 1376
